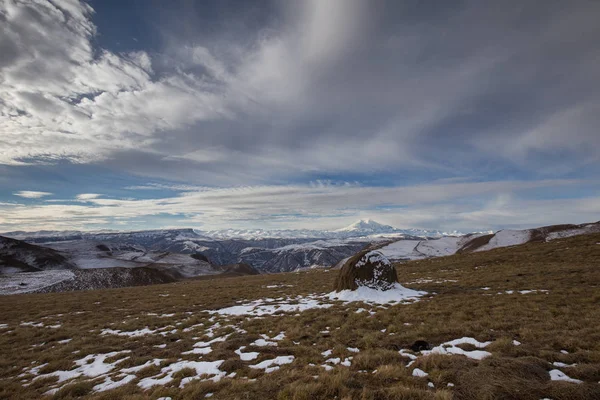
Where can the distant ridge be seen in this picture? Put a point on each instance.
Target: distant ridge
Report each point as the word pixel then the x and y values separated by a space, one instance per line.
pixel 363 227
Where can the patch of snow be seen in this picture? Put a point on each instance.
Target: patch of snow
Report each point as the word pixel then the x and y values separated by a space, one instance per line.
pixel 216 340
pixel 419 373
pixel 92 365
pixel 136 333
pixel 263 343
pixel 397 294
pixel 198 350
pixel 451 348
pixel 269 365
pixel 210 368
pixel 558 375
pixel 263 307
pixel 563 365
pixel 33 324
pixel 405 353
pixel 533 291
pixel 252 355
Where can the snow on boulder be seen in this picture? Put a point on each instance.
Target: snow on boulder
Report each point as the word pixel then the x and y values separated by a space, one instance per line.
pixel 368 268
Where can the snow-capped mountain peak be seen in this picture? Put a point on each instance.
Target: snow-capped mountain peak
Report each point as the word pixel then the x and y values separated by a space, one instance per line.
pixel 367 226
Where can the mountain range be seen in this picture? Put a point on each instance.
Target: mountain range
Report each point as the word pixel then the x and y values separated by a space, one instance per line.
pixel 160 256
pixel 361 228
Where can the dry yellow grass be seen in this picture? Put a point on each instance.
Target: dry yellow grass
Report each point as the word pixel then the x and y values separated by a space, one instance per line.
pixel 545 323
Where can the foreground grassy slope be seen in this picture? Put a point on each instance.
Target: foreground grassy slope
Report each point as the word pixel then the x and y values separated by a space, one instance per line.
pixel 475 295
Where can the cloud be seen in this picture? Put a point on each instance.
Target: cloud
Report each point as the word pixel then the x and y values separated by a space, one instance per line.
pixel 87 196
pixel 61 100
pixel 329 87
pixel 462 205
pixel 31 194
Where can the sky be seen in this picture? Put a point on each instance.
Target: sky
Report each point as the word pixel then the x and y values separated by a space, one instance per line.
pixel 455 115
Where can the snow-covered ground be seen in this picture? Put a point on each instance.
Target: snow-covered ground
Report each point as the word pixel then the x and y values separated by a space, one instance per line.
pixel 506 238
pixel 420 249
pixel 27 282
pixel 225 324
pixel 402 250
pixel 440 247
pixel 448 245
pixel 589 228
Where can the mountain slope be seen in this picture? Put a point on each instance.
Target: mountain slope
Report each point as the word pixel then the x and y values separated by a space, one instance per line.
pixel 445 246
pixel 19 256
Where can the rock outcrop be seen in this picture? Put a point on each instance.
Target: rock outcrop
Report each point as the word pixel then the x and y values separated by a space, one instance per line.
pixel 368 268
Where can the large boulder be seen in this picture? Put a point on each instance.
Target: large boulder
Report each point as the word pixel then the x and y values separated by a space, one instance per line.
pixel 368 268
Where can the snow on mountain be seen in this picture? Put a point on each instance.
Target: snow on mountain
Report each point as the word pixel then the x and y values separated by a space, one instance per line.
pixel 367 226
pixel 361 228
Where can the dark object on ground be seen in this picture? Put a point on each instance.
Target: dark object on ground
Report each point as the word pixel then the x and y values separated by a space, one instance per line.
pixel 420 345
